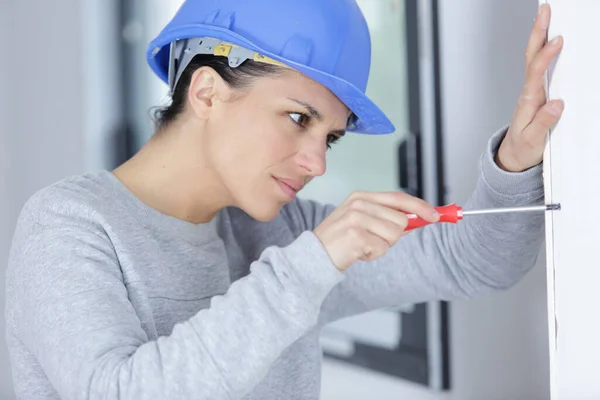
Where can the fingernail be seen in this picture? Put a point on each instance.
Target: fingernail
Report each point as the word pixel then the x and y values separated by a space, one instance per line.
pixel 540 9
pixel 557 108
pixel 436 215
pixel 555 41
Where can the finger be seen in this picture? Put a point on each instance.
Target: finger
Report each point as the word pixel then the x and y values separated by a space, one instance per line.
pixel 545 119
pixel 399 201
pixel 533 95
pixel 536 72
pixel 382 212
pixel 538 35
pixel 386 230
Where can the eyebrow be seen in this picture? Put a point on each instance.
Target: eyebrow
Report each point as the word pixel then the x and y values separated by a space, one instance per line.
pixel 313 112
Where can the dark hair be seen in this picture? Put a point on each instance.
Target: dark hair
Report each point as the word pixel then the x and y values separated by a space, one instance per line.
pixel 237 78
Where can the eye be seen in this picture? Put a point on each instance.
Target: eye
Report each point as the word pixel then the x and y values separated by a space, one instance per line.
pixel 331 139
pixel 300 119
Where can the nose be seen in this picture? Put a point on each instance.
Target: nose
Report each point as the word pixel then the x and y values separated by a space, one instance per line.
pixel 311 159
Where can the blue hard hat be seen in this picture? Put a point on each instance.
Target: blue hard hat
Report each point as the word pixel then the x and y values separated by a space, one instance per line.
pixel 326 40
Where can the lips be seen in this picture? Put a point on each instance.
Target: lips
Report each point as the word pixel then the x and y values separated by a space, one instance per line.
pixel 294 184
pixel 290 187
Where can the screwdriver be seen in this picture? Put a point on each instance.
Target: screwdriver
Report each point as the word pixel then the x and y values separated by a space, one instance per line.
pixel 453 213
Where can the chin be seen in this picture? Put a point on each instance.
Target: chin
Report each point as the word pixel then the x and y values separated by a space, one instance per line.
pixel 265 215
pixel 264 212
pixel 260 203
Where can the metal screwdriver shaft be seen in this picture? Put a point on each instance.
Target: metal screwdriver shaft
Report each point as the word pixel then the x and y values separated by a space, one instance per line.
pixel 548 207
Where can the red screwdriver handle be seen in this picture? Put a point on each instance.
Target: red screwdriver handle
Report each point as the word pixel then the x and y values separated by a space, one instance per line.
pixel 450 213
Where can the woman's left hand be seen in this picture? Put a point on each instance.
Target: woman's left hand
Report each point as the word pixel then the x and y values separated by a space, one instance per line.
pixel 525 142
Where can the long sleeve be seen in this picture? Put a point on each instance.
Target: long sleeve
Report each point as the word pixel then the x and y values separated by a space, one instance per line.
pixel 477 256
pixel 69 306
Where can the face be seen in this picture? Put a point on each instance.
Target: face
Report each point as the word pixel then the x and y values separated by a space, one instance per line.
pixel 267 141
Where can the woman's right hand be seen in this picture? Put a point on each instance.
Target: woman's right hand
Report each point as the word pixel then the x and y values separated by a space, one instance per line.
pixel 367 224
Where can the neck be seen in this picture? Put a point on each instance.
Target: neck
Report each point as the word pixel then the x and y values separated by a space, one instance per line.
pixel 171 174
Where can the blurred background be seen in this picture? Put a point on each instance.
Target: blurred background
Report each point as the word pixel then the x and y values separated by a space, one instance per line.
pixel 76 95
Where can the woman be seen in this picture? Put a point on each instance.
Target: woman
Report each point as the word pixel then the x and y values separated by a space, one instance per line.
pixel 193 271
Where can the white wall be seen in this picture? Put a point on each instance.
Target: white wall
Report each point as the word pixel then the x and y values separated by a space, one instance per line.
pixel 499 344
pixel 572 170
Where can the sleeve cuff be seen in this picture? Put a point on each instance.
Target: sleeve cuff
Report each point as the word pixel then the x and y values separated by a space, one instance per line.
pixel 316 268
pixel 504 182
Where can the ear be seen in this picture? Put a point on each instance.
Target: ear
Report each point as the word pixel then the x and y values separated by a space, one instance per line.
pixel 204 89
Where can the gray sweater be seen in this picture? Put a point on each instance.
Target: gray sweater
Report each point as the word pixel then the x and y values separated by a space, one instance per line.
pixel 110 299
